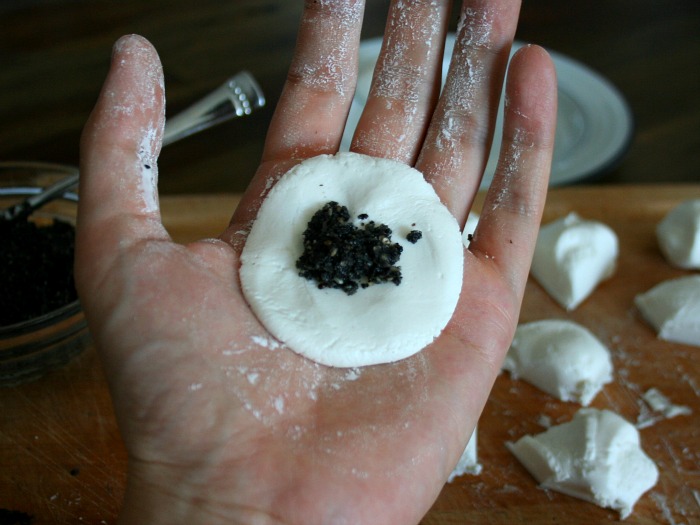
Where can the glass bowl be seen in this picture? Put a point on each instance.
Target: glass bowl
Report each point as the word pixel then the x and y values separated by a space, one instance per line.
pixel 30 348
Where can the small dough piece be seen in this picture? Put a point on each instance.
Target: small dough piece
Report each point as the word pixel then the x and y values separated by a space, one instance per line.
pixel 561 358
pixel 673 308
pixel 379 324
pixel 595 457
pixel 572 257
pixel 468 462
pixel 678 235
pixel 661 408
pixel 660 403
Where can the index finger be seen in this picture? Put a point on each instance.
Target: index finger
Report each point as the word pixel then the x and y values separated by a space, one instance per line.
pixel 119 150
pixel 311 113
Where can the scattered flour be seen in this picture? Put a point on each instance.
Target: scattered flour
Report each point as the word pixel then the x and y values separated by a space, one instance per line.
pixel 662 505
pixel 678 235
pixel 265 342
pixel 279 404
pixel 332 21
pixel 661 408
pixel 544 421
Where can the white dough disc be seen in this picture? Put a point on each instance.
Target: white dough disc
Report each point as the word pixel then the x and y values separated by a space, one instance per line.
pixel 379 324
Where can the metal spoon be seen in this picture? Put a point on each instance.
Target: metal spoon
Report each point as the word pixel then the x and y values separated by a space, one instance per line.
pixel 240 95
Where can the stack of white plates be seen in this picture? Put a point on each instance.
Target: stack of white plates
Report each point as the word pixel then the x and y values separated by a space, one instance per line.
pixel 594 122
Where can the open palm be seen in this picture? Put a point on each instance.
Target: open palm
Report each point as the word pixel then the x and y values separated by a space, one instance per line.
pixel 222 422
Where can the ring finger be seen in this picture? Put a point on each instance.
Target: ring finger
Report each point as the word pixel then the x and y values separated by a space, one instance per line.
pixel 457 145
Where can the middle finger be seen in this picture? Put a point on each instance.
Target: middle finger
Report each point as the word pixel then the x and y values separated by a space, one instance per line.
pixel 406 81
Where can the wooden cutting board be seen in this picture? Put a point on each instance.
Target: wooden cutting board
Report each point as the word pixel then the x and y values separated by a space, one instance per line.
pixel 62 460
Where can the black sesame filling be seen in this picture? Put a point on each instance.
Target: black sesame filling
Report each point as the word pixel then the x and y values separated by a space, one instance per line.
pixel 339 254
pixel 37 269
pixel 414 236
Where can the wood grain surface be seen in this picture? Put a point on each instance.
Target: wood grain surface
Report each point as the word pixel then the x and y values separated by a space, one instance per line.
pixel 62 460
pixel 54 56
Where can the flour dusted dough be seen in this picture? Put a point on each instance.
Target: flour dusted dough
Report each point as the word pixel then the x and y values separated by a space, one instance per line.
pixel 561 358
pixel 679 235
pixel 672 307
pixel 572 257
pixel 596 457
pixel 469 228
pixel 661 408
pixel 379 324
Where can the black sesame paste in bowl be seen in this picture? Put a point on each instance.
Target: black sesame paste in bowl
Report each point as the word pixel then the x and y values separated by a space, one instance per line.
pixel 42 324
pixel 37 268
pixel 341 254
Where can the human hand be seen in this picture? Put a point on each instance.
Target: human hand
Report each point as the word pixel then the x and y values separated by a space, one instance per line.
pixel 221 422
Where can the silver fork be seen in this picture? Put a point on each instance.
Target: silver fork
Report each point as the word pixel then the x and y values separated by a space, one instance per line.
pixel 240 95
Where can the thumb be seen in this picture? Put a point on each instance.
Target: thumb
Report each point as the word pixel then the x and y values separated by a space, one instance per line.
pixel 119 149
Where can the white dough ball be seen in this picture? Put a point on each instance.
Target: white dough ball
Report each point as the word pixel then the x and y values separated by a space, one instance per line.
pixel 678 235
pixel 596 457
pixel 378 324
pixel 561 358
pixel 572 256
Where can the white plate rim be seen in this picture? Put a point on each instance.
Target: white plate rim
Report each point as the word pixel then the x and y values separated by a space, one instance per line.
pixel 609 123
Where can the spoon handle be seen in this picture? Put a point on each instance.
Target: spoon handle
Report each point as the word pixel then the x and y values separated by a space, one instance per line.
pixel 240 95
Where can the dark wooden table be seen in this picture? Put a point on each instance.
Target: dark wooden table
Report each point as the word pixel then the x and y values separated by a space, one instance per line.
pixel 54 55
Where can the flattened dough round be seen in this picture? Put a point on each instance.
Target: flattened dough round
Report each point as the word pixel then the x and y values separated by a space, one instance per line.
pixel 384 322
